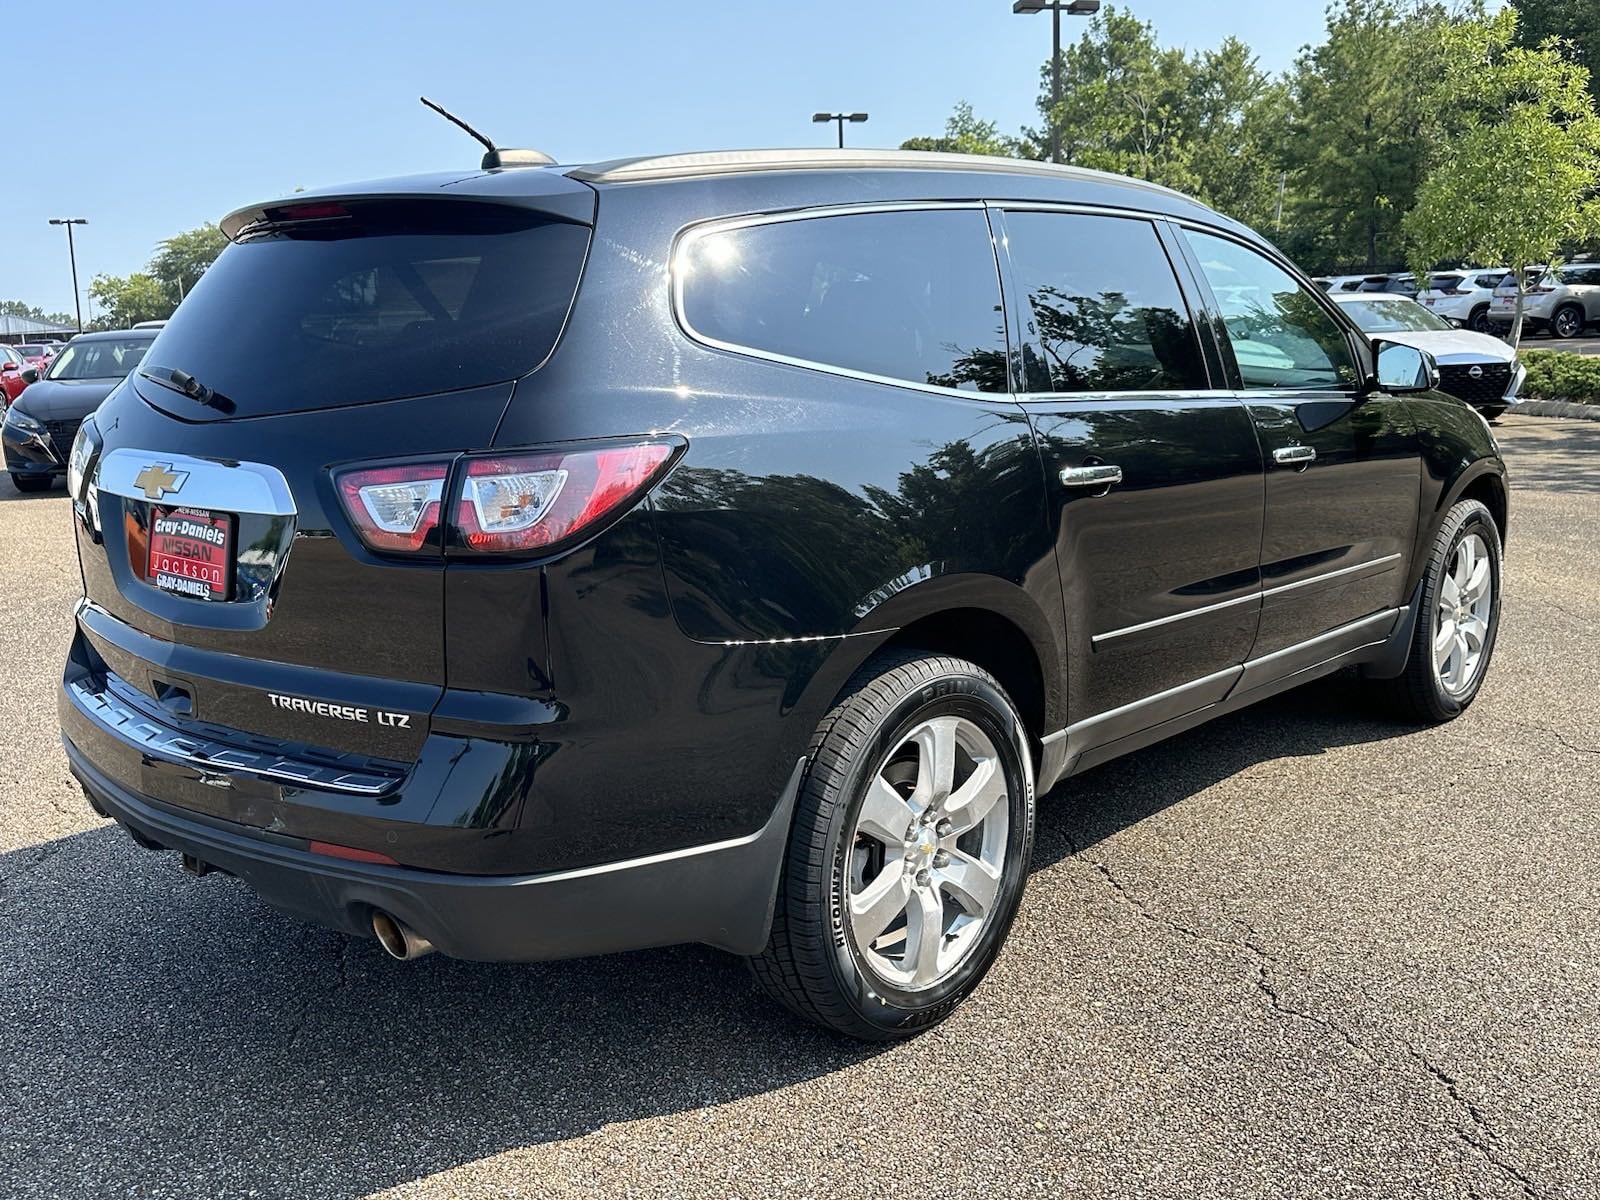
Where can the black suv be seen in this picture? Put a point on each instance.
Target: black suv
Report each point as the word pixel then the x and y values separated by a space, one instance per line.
pixel 728 548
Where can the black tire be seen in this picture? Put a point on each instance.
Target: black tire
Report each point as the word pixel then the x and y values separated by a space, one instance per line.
pixel 811 963
pixel 1567 322
pixel 1492 412
pixel 30 483
pixel 1478 322
pixel 1419 694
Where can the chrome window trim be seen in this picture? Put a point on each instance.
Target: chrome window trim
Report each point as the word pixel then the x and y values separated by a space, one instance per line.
pixel 236 487
pixel 690 234
pixel 1260 595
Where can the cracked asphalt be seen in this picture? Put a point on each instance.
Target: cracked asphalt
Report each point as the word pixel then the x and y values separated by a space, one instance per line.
pixel 1298 952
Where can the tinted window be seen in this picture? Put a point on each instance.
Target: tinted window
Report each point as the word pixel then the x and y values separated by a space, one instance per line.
pixel 1105 313
pixel 904 295
pixel 1443 283
pixel 1281 335
pixel 391 300
pixel 103 358
pixel 1579 275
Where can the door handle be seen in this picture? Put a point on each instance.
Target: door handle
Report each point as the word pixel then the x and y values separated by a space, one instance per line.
pixel 1294 456
pixel 1104 475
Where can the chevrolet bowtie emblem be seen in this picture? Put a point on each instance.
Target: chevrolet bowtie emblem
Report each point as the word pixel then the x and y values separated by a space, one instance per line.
pixel 156 480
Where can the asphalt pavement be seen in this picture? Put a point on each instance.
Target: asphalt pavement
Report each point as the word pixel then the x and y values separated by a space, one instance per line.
pixel 1301 951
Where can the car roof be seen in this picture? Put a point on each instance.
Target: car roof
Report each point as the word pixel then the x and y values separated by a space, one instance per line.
pixel 787 178
pixel 120 335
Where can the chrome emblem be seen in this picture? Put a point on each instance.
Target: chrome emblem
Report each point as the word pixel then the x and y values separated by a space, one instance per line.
pixel 157 479
pixel 1475 372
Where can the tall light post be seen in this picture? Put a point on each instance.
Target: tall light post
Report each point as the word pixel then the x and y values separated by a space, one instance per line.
pixel 1073 8
pixel 839 119
pixel 72 254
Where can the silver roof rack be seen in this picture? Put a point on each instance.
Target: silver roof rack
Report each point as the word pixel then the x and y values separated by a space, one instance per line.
pixel 739 162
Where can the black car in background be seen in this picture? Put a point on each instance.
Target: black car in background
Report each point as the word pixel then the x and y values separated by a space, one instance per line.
pixel 729 548
pixel 41 424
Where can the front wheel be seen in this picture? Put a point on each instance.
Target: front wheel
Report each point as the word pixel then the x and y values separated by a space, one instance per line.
pixel 1457 622
pixel 909 850
pixel 1568 322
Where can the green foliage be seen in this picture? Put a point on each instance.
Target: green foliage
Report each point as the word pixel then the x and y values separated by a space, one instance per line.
pixel 964 133
pixel 1515 173
pixel 1576 21
pixel 184 257
pixel 138 297
pixel 1559 375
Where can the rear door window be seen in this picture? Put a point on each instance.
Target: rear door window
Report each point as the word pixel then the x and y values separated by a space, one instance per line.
pixel 911 296
pixel 1282 336
pixel 1104 310
pixel 385 301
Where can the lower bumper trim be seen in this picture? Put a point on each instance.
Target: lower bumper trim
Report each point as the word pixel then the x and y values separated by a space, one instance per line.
pixel 720 894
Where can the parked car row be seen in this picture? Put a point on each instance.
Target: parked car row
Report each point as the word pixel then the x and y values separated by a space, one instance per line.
pixel 43 416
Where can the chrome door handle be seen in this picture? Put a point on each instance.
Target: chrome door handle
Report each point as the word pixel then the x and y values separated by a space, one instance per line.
pixel 1293 456
pixel 1104 475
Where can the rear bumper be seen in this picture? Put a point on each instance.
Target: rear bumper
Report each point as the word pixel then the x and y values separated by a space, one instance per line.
pixel 720 894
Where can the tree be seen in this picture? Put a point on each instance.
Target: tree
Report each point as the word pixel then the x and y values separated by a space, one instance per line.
pixel 138 297
pixel 1520 171
pixel 1355 148
pixel 964 133
pixel 184 257
pixel 1577 21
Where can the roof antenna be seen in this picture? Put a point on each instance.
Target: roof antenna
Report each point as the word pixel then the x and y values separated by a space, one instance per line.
pixel 492 156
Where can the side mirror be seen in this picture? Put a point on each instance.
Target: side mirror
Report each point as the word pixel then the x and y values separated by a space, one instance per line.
pixel 1404 369
pixel 8 365
pixel 30 374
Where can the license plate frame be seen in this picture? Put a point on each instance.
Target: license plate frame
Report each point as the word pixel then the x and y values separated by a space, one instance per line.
pixel 185 558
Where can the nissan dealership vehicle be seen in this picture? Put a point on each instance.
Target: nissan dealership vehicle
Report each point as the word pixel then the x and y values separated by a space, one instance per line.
pixel 1463 298
pixel 1563 301
pixel 730 548
pixel 40 427
pixel 1480 369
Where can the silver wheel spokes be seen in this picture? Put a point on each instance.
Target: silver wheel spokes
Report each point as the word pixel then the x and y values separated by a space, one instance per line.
pixel 928 852
pixel 1466 603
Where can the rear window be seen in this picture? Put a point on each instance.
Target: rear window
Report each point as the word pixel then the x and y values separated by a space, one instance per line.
pixel 379 302
pixel 1443 283
pixel 912 296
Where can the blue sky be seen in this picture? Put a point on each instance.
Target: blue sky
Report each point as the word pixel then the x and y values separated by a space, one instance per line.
pixel 173 113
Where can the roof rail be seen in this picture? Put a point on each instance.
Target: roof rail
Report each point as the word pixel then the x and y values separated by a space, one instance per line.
pixel 738 162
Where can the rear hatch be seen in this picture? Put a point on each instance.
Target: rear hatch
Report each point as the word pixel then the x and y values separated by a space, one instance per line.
pixel 228 581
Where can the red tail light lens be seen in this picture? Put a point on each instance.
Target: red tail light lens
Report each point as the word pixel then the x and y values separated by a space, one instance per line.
pixel 518 503
pixel 394 509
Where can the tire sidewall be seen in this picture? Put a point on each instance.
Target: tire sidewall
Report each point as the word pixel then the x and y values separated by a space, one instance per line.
pixel 1555 321
pixel 965 695
pixel 1475 519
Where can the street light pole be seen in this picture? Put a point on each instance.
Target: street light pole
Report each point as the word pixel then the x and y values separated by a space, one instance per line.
pixel 1076 8
pixel 72 255
pixel 838 118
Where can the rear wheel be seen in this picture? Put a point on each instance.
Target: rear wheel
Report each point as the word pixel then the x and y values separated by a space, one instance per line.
pixel 1568 321
pixel 1478 322
pixel 1457 622
pixel 909 850
pixel 30 483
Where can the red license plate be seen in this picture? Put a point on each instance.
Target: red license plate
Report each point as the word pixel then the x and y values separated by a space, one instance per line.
pixel 191 552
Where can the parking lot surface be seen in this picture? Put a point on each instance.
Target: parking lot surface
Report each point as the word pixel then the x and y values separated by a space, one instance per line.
pixel 1298 952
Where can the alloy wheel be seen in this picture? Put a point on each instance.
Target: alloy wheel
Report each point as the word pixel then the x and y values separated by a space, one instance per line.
pixel 1466 606
pixel 928 853
pixel 1568 323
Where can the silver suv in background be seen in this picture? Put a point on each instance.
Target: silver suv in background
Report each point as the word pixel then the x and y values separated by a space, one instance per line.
pixel 1564 300
pixel 1463 297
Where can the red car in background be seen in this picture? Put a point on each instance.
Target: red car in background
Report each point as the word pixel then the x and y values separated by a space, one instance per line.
pixel 39 354
pixel 12 364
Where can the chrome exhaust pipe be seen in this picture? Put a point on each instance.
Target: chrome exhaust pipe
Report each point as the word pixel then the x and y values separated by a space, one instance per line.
pixel 400 940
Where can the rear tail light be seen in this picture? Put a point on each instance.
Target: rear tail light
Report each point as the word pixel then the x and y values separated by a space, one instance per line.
pixel 395 509
pixel 517 503
pixel 1540 291
pixel 528 502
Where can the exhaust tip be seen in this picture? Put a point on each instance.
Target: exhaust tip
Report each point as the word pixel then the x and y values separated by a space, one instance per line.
pixel 398 940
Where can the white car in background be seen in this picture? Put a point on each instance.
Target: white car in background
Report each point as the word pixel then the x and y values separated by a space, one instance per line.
pixel 1564 300
pixel 1463 297
pixel 1475 367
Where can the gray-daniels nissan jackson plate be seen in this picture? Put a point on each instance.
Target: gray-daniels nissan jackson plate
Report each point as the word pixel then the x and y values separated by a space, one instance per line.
pixel 731 548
